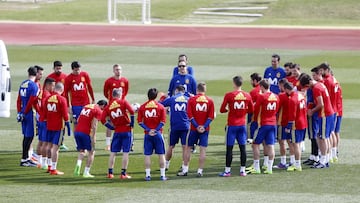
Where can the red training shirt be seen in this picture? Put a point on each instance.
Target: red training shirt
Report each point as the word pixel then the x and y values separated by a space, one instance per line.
pixel 151 113
pixel 87 114
pixel 56 111
pixel 238 103
pixel 266 108
pixel 117 110
pixel 200 107
pixel 112 83
pixel 78 88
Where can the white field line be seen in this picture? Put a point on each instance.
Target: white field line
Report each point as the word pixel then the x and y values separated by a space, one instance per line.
pixel 228 14
pixel 233 8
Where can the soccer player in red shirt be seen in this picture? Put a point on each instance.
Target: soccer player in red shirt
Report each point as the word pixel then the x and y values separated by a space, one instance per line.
pixel 297 123
pixel 284 137
pixel 152 117
pixel 116 117
pixel 56 113
pixel 59 76
pixel 49 86
pixel 85 135
pixel 116 81
pixel 77 90
pixel 238 103
pixel 339 105
pixel 265 110
pixel 333 86
pixel 201 112
pixel 325 114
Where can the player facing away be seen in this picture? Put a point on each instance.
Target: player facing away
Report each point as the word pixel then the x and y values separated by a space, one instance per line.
pixel 274 73
pixel 116 117
pixel 85 135
pixel 26 100
pixel 152 117
pixel 77 90
pixel 183 78
pixel 59 76
pixel 183 57
pixel 49 86
pixel 56 113
pixel 297 123
pixel 116 81
pixel 201 112
pixel 265 109
pixel 238 104
pixel 325 114
pixel 179 122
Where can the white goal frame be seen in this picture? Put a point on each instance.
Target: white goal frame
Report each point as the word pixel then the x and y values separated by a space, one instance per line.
pixel 145 10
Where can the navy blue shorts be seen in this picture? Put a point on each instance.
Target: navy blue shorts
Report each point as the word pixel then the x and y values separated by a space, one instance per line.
pixel 298 136
pixel 42 131
pixel 338 124
pixel 176 135
pixel 76 110
pixel 200 139
pixel 121 141
pixel 237 133
pixel 154 143
pixel 54 137
pixel 326 126
pixel 83 141
pixel 267 133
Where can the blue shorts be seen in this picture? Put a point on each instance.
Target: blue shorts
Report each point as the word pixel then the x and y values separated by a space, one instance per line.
pixel 152 143
pixel 42 131
pixel 175 135
pixel 298 135
pixel 313 126
pixel 200 139
pixel 326 125
pixel 76 110
pixel 83 141
pixel 121 141
pixel 267 133
pixel 54 137
pixel 27 125
pixel 338 124
pixel 237 133
pixel 284 135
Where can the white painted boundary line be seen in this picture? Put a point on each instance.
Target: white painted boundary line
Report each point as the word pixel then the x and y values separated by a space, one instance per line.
pixel 228 14
pixel 233 8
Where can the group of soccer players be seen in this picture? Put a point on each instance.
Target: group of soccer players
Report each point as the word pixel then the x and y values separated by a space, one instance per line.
pixel 281 106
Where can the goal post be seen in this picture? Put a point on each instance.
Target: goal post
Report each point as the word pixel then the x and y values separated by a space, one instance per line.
pixel 145 9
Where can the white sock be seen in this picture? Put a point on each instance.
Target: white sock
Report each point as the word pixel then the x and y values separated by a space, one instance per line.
pixel 87 170
pixel 53 165
pixel 283 160
pixel 227 169
pixel 147 172
pixel 312 157
pixel 108 141
pixel 242 169
pixel 30 153
pixel 257 165
pixel 317 158
pixel 266 161
pixel 40 160
pixel 49 161
pixel 167 164
pixel 323 159
pixel 44 161
pixel 333 151
pixel 270 165
pixel 79 162
pixel 200 170
pixel 298 163
pixel 292 159
pixel 327 157
pixel 162 172
pixel 185 169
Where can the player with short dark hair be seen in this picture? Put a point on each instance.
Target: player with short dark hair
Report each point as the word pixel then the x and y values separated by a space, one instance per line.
pixel 152 117
pixel 49 85
pixel 297 123
pixel 56 113
pixel 201 113
pixel 116 81
pixel 77 90
pixel 183 78
pixel 179 122
pixel 237 103
pixel 274 73
pixel 325 114
pixel 26 100
pixel 85 135
pixel 265 109
pixel 116 117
